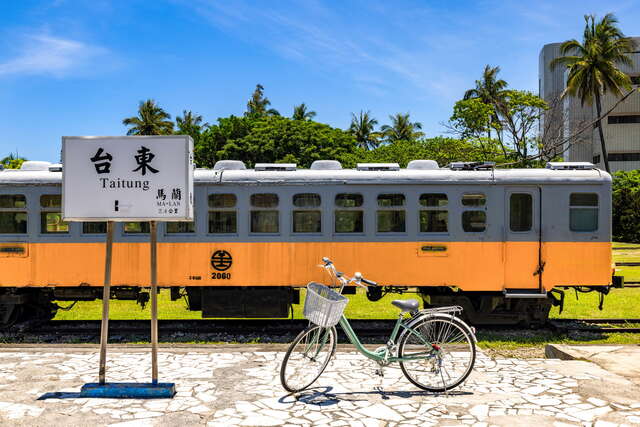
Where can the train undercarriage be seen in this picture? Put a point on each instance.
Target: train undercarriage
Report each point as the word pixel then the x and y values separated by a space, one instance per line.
pixel 480 308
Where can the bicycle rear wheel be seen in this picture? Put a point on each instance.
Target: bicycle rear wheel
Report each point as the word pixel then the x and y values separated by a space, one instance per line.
pixel 444 352
pixel 307 357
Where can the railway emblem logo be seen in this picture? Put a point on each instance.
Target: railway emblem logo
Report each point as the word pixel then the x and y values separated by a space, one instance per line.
pixel 221 260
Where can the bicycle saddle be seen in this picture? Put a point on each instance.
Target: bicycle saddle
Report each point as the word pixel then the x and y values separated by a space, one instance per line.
pixel 406 304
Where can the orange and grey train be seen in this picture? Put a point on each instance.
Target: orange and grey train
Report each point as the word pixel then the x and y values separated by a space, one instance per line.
pixel 500 243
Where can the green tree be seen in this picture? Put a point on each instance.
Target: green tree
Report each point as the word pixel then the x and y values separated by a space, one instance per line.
pixel 441 149
pixel 258 104
pixel 593 65
pixel 519 113
pixel 626 206
pixel 363 130
pixel 302 112
pixel 490 91
pixel 190 124
pixel 474 119
pixel 12 161
pixel 275 139
pixel 151 120
pixel 401 129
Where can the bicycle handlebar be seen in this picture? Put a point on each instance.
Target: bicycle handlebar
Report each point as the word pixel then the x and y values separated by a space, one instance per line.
pixel 357 277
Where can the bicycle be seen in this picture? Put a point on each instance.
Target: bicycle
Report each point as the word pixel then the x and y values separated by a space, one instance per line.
pixel 434 348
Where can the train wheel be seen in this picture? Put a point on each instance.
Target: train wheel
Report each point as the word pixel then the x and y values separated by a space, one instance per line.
pixel 9 315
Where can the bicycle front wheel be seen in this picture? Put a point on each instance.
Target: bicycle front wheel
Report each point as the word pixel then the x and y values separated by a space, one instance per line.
pixel 307 357
pixel 440 352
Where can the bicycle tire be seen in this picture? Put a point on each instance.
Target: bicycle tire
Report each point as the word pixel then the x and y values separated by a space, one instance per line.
pixel 317 340
pixel 438 329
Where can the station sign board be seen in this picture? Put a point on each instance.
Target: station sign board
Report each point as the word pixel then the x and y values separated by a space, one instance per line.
pixel 127 178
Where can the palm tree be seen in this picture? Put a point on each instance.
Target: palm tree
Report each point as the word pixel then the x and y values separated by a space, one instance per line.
pixel 401 129
pixel 301 112
pixel 489 90
pixel 151 120
pixel 362 128
pixel 593 65
pixel 257 105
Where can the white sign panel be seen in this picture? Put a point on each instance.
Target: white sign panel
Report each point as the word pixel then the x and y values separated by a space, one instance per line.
pixel 127 178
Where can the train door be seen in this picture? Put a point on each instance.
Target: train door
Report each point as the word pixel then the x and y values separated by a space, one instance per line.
pixel 522 238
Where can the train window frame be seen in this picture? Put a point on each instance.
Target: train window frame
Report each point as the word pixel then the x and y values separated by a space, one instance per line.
pixel 313 208
pixel 224 209
pixel 357 208
pixel 143 225
pixel 473 208
pixel 437 209
pixel 256 209
pixel 46 210
pixel 400 210
pixel 16 211
pixel 531 211
pixel 177 233
pixel 584 208
pixel 85 223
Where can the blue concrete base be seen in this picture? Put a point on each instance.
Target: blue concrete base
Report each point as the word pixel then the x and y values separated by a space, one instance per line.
pixel 129 390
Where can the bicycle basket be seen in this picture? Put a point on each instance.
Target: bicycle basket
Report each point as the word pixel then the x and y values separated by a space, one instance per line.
pixel 322 305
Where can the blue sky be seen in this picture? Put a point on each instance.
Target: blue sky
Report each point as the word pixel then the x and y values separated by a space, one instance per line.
pixel 76 67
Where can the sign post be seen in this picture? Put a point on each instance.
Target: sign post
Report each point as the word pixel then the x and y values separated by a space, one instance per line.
pixel 123 179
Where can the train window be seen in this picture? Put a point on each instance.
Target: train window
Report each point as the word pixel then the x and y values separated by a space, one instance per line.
pixel 307 221
pixel 474 221
pixel 265 221
pixel 12 219
pixel 224 219
pixel 264 200
pixel 583 212
pixel 520 212
pixel 136 227
pixel 94 227
pixel 349 200
pixel 390 200
pixel 474 199
pixel 181 227
pixel 435 200
pixel 50 215
pixel 347 219
pixel 219 201
pixel 391 220
pixel 435 219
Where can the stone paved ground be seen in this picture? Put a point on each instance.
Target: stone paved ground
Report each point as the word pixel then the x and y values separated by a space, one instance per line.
pixel 239 385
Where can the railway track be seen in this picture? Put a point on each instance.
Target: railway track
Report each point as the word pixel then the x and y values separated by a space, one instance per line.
pixel 210 329
pixel 196 327
pixel 596 325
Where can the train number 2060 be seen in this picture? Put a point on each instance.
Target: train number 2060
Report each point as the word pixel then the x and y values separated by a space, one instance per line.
pixel 224 276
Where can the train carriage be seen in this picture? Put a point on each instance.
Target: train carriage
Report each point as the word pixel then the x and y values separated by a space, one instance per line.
pixel 498 242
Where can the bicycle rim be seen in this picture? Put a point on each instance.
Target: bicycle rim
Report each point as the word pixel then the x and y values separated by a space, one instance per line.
pixel 307 357
pixel 450 344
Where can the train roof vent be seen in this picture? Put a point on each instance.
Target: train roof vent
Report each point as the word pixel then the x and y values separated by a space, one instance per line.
pixel 34 165
pixel 229 165
pixel 326 165
pixel 56 167
pixel 378 167
pixel 471 166
pixel 275 166
pixel 423 164
pixel 570 165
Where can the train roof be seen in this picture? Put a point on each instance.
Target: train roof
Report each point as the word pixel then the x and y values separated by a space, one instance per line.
pixel 389 174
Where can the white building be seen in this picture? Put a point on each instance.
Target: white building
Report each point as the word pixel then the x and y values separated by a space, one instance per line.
pixel 567 117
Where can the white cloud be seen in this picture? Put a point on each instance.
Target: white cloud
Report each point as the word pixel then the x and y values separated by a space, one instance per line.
pixel 47 55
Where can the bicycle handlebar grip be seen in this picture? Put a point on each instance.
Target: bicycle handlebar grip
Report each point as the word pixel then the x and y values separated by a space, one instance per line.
pixel 369 282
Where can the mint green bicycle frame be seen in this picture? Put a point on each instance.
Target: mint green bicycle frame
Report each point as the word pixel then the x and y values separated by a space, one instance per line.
pixel 382 354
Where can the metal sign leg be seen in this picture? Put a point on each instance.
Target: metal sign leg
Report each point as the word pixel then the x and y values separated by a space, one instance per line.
pixel 106 293
pixel 154 301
